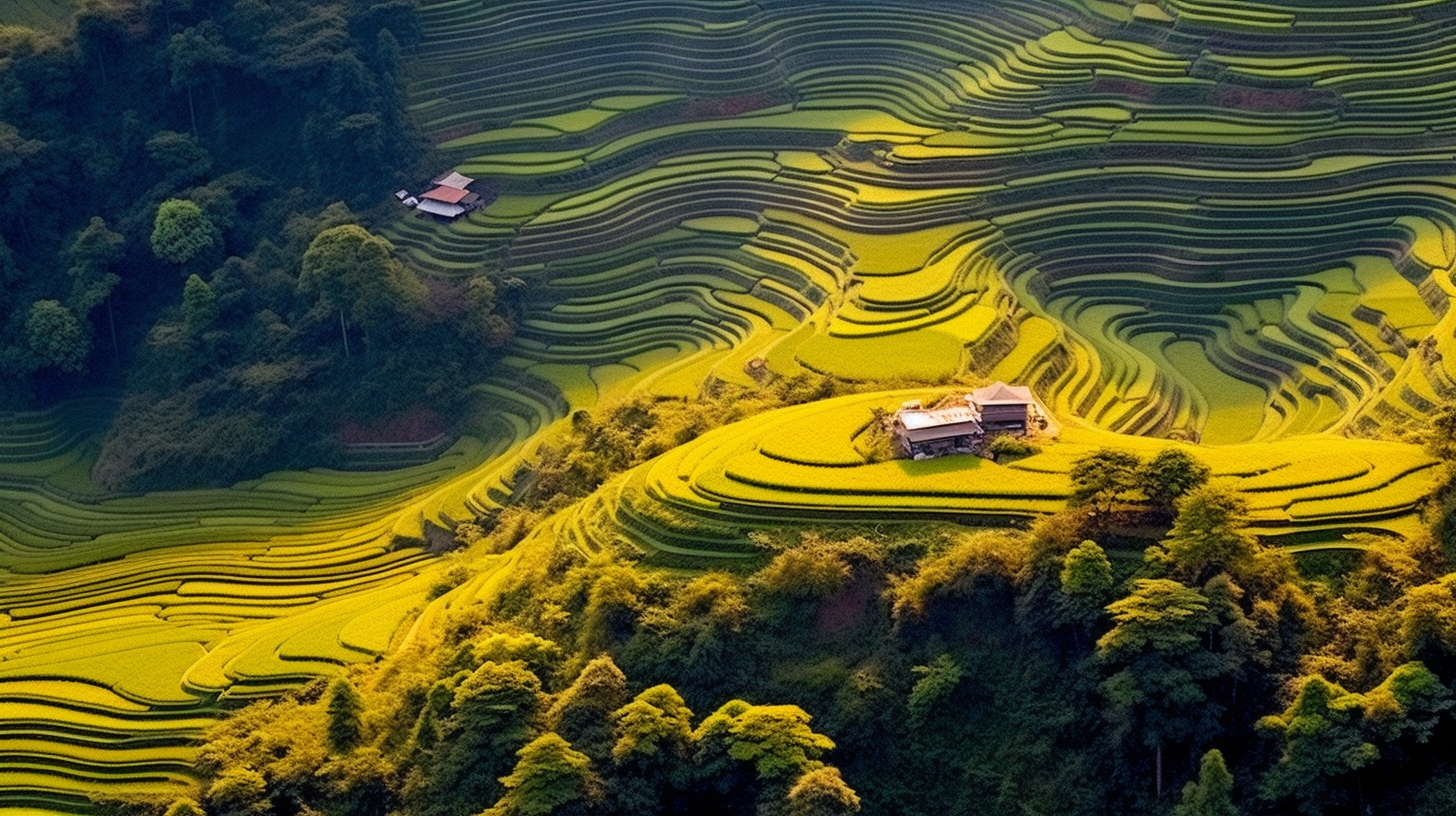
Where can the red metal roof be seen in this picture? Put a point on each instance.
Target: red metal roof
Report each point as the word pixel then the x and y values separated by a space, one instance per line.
pixel 447 195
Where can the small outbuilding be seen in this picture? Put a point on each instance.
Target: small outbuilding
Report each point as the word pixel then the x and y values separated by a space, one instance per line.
pixel 453 179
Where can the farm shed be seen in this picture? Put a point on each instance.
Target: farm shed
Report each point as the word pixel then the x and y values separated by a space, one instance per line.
pixel 453 179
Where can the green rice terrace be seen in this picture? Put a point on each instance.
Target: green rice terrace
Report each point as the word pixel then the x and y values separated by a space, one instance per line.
pixel 1227 224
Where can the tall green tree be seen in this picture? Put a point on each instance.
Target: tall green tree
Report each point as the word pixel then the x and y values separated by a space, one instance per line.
pixel 1210 535
pixel 1086 583
pixel 348 270
pixel 1323 744
pixel 92 254
pixel 494 713
pixel 1171 474
pixel 1212 793
pixel 1104 478
pixel 656 723
pixel 1408 704
pixel 195 55
pixel 1427 621
pixel 346 728
pixel 179 156
pixel 550 779
pixel 1237 641
pixel 1156 662
pixel 199 305
pixel 582 714
pixel 938 681
pixel 652 753
pixel 482 323
pixel 822 792
pixel 775 740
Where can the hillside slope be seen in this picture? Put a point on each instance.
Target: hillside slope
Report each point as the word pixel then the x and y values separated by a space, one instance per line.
pixel 1232 222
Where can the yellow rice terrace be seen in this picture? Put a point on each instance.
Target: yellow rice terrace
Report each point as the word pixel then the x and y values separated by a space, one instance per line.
pixel 776 408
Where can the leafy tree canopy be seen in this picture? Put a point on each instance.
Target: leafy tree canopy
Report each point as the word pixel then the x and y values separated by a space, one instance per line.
pixel 1104 477
pixel 345 708
pixel 354 272
pixel 1323 743
pixel 1170 474
pixel 1209 534
pixel 583 712
pixel 56 337
pixel 199 305
pixel 822 792
pixel 1086 581
pixel 1212 793
pixel 550 779
pixel 776 740
pixel 181 232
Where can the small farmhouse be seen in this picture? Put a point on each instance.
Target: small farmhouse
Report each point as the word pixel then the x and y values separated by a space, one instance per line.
pixel 921 433
pixel 996 409
pixel 450 197
pixel 447 202
pixel 1006 408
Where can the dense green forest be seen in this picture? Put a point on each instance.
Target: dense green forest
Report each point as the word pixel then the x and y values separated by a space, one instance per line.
pixel 897 669
pixel 188 188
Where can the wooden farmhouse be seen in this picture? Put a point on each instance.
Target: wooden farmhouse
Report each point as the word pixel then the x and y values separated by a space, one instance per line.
pixel 921 433
pixel 450 197
pixel 1005 408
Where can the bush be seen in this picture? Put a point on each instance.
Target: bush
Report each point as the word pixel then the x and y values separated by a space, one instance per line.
pixel 1006 445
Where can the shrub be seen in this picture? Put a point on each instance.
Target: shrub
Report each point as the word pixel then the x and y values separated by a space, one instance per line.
pixel 1006 445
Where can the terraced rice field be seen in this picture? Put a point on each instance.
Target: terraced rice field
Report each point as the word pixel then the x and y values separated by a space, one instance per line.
pixel 128 624
pixel 805 465
pixel 1231 220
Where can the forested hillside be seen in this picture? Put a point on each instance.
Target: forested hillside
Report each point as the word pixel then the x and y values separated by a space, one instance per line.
pixel 901 669
pixel 177 222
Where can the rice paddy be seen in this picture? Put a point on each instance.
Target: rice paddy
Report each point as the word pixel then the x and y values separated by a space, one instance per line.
pixel 1228 220
pixel 801 466
pixel 1224 221
pixel 128 624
